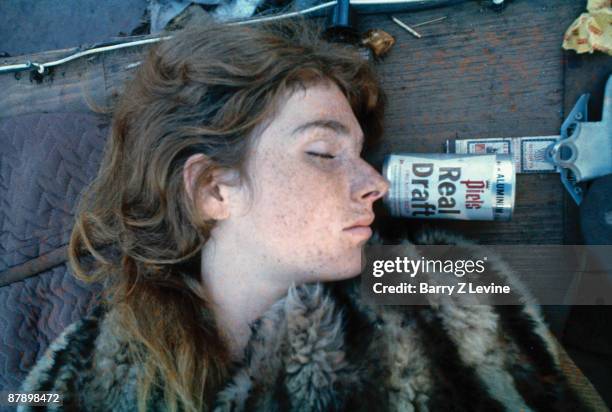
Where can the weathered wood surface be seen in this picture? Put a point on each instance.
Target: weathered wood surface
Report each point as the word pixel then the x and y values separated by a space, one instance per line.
pixel 476 74
pixel 66 88
pixel 484 74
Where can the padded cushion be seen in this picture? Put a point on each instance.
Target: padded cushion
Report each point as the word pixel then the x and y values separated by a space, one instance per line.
pixel 46 160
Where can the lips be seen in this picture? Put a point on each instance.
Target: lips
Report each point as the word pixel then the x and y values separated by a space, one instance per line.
pixel 359 231
pixel 361 228
pixel 364 222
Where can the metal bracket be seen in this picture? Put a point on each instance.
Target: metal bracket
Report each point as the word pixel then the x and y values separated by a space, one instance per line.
pixel 584 151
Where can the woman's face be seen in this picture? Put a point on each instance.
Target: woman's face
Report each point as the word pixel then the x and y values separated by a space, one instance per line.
pixel 312 191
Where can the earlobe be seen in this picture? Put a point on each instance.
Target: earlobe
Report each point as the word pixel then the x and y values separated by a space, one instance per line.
pixel 213 204
pixel 209 199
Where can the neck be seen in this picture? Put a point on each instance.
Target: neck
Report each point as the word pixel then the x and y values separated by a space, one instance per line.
pixel 240 290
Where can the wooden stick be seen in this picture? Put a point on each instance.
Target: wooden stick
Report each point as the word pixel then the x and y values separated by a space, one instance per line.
pixel 405 27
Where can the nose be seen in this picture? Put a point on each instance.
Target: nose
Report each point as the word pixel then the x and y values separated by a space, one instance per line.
pixel 374 185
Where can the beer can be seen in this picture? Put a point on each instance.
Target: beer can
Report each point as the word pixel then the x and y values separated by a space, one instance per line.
pixel 450 186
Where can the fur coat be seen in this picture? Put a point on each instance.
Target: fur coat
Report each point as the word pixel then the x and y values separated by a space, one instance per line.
pixel 323 348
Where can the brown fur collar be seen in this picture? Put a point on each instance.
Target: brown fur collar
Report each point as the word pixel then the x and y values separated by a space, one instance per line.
pixel 322 348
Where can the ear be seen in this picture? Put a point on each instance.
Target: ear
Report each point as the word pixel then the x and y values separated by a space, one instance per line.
pixel 212 200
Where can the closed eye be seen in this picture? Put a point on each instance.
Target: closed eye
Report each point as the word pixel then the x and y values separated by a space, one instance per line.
pixel 323 155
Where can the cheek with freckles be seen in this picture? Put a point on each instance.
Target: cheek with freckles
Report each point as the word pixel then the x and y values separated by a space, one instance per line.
pixel 300 213
pixel 299 199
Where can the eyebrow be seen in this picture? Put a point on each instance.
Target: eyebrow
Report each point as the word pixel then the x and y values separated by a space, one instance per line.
pixel 333 125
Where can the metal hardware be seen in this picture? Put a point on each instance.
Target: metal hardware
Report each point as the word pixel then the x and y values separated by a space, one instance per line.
pixel 497 5
pixel 584 151
pixel 42 67
pixel 429 22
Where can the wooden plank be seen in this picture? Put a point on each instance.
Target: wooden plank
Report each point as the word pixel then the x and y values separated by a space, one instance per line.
pixel 117 69
pixel 68 87
pixel 64 89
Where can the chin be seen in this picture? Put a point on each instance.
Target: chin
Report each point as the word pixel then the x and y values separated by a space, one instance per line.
pixel 349 267
pixel 337 276
pixel 328 267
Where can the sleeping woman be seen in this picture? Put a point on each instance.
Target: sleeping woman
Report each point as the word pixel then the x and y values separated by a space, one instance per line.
pixel 227 224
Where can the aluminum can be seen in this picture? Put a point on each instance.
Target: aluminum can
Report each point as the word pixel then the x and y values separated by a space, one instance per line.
pixel 450 186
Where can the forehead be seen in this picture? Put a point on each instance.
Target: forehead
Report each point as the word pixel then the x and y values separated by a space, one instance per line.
pixel 323 102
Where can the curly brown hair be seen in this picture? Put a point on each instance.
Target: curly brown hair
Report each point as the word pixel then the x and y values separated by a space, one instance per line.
pixel 206 90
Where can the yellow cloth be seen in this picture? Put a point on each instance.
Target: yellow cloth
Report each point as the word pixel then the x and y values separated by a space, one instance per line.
pixel 591 31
